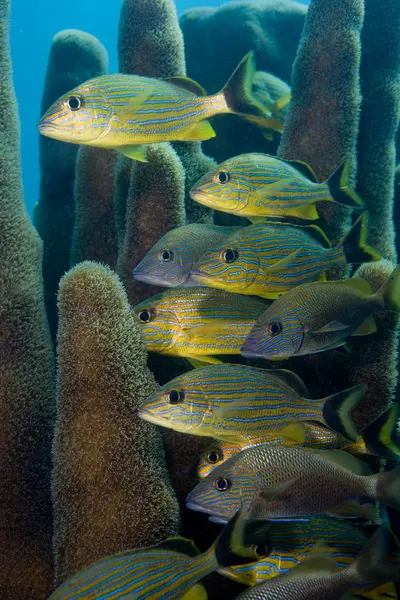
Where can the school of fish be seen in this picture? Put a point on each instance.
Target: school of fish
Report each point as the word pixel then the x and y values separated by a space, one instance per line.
pixel 280 454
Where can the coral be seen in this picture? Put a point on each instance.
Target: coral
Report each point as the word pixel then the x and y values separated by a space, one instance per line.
pixel 26 366
pixel 111 488
pixel 122 180
pixel 94 235
pixel 155 204
pixel 74 57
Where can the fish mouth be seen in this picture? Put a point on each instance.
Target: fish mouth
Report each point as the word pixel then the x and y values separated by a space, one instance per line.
pixel 191 505
pixel 200 275
pixel 147 415
pixel 202 197
pixel 46 127
pixel 146 278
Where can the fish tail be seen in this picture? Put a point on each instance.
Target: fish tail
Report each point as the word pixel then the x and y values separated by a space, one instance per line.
pixel 340 189
pixel 355 247
pixel 239 96
pixel 372 562
pixel 380 436
pixel 337 410
pixel 390 291
pixel 388 488
pixel 229 547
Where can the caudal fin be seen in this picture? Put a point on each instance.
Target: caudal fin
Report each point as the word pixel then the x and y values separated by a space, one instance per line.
pixel 340 189
pixel 390 291
pixel 388 488
pixel 372 562
pixel 380 436
pixel 337 410
pixel 229 546
pixel 239 96
pixel 355 247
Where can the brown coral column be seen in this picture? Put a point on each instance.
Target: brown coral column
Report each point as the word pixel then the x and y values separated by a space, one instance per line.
pixel 26 371
pixel 111 487
pixel 75 56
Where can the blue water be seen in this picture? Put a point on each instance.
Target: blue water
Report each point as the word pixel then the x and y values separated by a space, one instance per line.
pixel 33 26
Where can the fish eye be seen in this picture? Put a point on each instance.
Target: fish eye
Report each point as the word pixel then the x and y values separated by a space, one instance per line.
pixel 144 316
pixel 262 550
pixel 274 328
pixel 229 255
pixel 166 255
pixel 222 484
pixel 175 396
pixel 75 103
pixel 213 457
pixel 223 177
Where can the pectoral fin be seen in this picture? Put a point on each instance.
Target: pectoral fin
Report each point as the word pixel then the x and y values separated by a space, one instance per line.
pixel 282 264
pixel 331 327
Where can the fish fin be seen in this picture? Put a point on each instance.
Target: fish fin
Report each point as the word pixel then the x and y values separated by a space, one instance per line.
pixel 357 284
pixel 368 326
pixel 388 488
pixel 268 134
pixel 291 379
pixel 202 361
pixel 239 96
pixel 281 264
pixel 371 563
pixel 390 291
pixel 318 563
pixel 187 84
pixel 354 245
pixel 343 459
pixel 283 101
pixel 136 152
pixel 181 545
pixel 255 219
pixel 229 547
pixel 308 212
pixel 271 189
pixel 197 592
pixel 317 233
pixel 199 132
pixel 294 432
pixel 338 184
pixel 259 505
pixel 337 410
pixel 381 437
pixel 352 509
pixel 301 167
pixel 330 327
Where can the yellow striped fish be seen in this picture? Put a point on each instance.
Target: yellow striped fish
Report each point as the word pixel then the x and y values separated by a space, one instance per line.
pixel 157 573
pixel 169 261
pixel 232 402
pixel 124 111
pixel 269 259
pixel 198 322
pixel 379 438
pixel 258 185
pixel 273 93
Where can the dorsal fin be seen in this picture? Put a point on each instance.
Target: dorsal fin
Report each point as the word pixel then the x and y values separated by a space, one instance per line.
pixel 301 167
pixel 291 379
pixel 317 233
pixel 344 459
pixel 181 545
pixel 187 84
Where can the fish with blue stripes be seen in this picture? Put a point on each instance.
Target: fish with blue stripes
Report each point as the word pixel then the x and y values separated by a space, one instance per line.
pixel 378 438
pixel 275 94
pixel 232 402
pixel 314 317
pixel 170 570
pixel 319 578
pixel 269 259
pixel 198 322
pixel 258 186
pixel 125 111
pixel 170 261
pixel 273 482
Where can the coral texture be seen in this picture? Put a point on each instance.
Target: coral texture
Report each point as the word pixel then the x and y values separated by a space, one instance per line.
pixel 26 366
pixel 110 484
pixel 75 56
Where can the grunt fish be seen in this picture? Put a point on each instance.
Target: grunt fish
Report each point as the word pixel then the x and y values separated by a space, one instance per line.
pixel 259 185
pixel 169 262
pixel 234 402
pixel 269 259
pixel 197 322
pixel 281 483
pixel 320 316
pixel 125 111
pixel 274 94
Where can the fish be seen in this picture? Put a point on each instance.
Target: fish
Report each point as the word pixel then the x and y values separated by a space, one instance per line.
pixel 318 577
pixel 378 438
pixel 169 261
pixel 160 572
pixel 275 95
pixel 233 402
pixel 272 482
pixel 125 112
pixel 269 259
pixel 315 317
pixel 259 185
pixel 197 323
